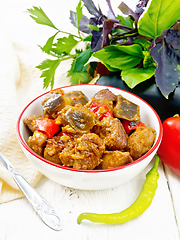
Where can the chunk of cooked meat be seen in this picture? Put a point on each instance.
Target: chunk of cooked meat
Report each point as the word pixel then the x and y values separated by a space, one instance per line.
pixel 140 141
pixel 112 132
pixel 37 142
pixel 29 121
pixel 125 109
pixel 55 145
pixel 105 94
pixel 78 117
pixel 72 133
pixel 84 153
pixel 112 159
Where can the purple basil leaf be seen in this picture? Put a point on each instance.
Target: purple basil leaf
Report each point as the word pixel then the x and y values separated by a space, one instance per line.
pixel 128 11
pixel 139 10
pixel 140 7
pixel 107 28
pixel 142 3
pixel 174 55
pixel 83 25
pixel 92 8
pixel 83 22
pixel 97 40
pixel 173 38
pixel 98 18
pixel 73 17
pixel 96 22
pixel 167 72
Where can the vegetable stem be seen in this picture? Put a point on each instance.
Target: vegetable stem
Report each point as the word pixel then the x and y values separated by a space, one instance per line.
pixel 79 37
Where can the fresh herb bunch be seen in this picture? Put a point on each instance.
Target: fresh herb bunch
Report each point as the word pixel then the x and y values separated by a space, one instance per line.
pixel 139 44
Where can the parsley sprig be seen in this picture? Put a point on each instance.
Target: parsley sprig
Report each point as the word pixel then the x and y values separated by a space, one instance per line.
pixel 60 50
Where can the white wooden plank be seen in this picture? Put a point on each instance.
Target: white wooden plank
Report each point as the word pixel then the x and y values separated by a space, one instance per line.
pixel 19 221
pixel 174 186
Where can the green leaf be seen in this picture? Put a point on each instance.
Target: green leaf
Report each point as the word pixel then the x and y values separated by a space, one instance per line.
pixel 81 60
pixel 160 15
pixel 126 21
pixel 64 45
pixel 88 38
pixel 92 68
pixel 79 77
pixel 93 59
pixel 147 59
pixel 92 27
pixel 40 17
pixel 134 76
pixel 48 68
pixel 116 57
pixel 48 46
pixel 110 68
pixel 145 44
pixel 79 13
pixel 78 71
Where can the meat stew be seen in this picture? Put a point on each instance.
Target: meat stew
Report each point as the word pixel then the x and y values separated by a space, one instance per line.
pixel 87 133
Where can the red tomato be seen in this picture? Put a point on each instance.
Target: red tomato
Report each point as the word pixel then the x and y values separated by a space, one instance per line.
pixel 169 150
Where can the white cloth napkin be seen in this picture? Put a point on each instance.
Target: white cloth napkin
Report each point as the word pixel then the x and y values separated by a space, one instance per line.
pixel 20 82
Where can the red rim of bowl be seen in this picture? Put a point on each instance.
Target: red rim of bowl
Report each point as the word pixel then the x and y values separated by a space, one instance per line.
pixel 21 140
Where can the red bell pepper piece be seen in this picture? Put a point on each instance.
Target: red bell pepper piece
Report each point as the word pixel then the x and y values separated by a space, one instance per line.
pixel 169 151
pixel 100 110
pixel 47 126
pixel 130 126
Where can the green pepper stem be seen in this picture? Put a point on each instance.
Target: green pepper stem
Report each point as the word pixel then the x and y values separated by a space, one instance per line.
pixel 156 163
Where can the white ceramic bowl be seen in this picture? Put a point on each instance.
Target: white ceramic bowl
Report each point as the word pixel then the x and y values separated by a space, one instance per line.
pixel 90 179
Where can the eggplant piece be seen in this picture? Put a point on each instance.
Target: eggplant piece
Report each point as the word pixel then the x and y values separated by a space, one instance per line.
pixel 125 109
pixel 76 97
pixel 80 119
pixel 53 103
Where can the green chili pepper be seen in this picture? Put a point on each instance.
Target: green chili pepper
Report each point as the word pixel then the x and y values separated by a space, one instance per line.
pixel 137 208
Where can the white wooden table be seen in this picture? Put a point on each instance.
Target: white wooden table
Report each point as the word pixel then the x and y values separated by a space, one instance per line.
pixel 18 220
pixel 161 220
